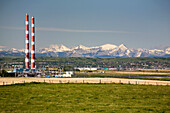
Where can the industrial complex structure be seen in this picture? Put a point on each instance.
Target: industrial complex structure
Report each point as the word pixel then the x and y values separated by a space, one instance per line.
pixel 32 44
pixel 31 70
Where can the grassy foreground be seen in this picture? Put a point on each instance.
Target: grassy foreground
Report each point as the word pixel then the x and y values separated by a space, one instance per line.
pixel 80 98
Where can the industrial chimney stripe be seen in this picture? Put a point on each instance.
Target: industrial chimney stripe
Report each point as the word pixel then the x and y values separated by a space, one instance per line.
pixel 33 45
pixel 27 42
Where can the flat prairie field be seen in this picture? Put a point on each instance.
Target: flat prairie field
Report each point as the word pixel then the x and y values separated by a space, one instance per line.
pixel 84 98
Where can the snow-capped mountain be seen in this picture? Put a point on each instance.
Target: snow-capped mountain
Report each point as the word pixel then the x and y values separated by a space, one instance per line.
pixel 167 51
pixel 80 47
pixel 108 47
pixel 106 50
pixel 54 48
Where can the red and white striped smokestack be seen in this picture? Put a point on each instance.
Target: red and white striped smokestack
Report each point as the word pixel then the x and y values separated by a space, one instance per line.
pixel 27 43
pixel 33 45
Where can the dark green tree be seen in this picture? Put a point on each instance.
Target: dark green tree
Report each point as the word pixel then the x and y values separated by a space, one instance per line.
pixel 68 68
pixel 4 73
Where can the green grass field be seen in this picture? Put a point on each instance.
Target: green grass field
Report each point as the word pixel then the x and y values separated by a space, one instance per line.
pixel 122 73
pixel 80 98
pixel 141 78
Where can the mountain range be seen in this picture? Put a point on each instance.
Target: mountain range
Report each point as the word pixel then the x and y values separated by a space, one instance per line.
pixel 107 50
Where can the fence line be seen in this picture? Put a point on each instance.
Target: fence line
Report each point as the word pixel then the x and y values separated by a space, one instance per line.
pixel 90 81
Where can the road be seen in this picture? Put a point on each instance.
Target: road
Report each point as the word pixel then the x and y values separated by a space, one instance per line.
pixel 8 81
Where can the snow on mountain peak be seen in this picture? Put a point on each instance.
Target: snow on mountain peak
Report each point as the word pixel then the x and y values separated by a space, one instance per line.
pixel 13 50
pixel 58 48
pixel 123 47
pixel 81 47
pixel 64 48
pixel 21 50
pixel 167 51
pixel 108 46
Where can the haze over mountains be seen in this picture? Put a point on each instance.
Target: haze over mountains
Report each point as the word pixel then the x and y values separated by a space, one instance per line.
pixel 107 50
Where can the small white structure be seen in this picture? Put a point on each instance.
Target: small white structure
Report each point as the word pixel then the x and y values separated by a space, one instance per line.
pixel 86 68
pixel 68 74
pixel 102 71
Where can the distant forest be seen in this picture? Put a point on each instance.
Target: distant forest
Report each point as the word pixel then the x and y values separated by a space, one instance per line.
pixel 53 62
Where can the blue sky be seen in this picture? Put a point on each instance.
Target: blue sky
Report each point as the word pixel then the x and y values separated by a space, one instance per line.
pixel 135 23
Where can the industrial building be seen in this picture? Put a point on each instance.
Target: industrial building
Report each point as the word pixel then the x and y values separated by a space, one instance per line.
pixel 31 71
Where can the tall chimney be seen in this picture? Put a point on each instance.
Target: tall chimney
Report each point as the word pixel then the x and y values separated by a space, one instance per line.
pixel 33 45
pixel 27 43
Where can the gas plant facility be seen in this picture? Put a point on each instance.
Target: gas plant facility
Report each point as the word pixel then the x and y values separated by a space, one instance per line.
pixel 27 71
pixel 31 71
